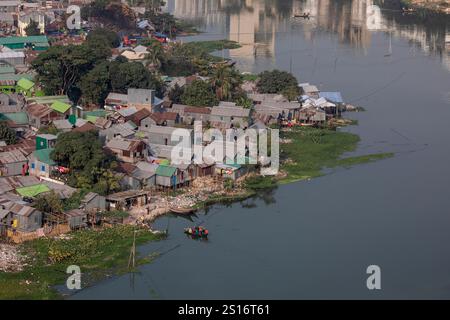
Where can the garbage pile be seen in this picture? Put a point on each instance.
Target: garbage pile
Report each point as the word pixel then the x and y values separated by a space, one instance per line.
pixel 10 259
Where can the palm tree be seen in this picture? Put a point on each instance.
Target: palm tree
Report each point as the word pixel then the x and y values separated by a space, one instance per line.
pixel 155 55
pixel 224 80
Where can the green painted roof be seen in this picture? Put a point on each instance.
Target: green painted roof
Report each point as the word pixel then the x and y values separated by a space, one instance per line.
pixel 25 84
pixel 165 171
pixel 95 113
pixel 91 118
pixel 41 40
pixel 60 106
pixel 43 155
pixel 48 99
pixel 16 117
pixel 33 191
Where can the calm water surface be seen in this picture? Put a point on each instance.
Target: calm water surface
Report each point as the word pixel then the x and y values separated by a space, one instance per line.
pixel 315 239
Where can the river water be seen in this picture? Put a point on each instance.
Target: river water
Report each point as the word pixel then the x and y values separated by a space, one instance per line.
pixel 314 239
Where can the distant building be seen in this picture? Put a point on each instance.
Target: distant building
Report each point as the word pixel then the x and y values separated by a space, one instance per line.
pixel 25 18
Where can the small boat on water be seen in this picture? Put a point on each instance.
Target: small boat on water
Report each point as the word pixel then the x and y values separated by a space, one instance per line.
pixel 184 211
pixel 197 232
pixel 303 15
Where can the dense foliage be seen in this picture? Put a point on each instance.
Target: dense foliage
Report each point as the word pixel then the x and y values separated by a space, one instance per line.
pixel 90 168
pixel 199 93
pixel 104 36
pixel 277 81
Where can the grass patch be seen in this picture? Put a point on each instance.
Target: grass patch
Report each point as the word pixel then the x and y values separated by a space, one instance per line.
pixel 213 45
pixel 97 252
pixel 312 150
pixel 249 77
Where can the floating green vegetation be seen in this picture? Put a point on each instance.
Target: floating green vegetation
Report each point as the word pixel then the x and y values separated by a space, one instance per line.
pixel 96 252
pixel 311 150
pixel 213 45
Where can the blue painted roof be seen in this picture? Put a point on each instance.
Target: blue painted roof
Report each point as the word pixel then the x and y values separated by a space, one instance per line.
pixel 334 97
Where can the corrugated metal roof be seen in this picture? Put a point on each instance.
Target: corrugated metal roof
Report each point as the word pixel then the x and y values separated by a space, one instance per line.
pixel 230 111
pixel 165 171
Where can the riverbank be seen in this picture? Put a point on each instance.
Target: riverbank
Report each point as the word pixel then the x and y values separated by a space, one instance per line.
pixel 99 253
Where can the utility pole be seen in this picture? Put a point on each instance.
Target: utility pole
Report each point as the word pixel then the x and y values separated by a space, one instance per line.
pixel 132 259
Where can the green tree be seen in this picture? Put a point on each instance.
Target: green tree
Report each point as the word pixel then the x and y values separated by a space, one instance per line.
pixel 49 203
pixel 7 134
pixel 275 81
pixel 291 93
pixel 32 29
pixel 60 68
pixel 225 80
pixel 175 94
pixel 90 168
pixel 133 75
pixel 104 36
pixel 155 56
pixel 96 84
pixel 199 93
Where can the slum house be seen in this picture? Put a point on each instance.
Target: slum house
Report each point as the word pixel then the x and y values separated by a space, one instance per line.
pixel 9 184
pixel 45 141
pixel 312 115
pixel 42 115
pixel 166 176
pixel 86 127
pixel 41 163
pixel 93 201
pixel 67 125
pixel 333 98
pixel 132 177
pixel 26 145
pixel 290 109
pixel 309 90
pixel 171 153
pixel 229 117
pixel 123 173
pixel 122 130
pixel 192 114
pixel 161 119
pixel 138 98
pixel 76 219
pixel 13 163
pixel 25 218
pixel 138 116
pixel 126 200
pixel 160 135
pixel 260 98
pixel 11 58
pixel 127 150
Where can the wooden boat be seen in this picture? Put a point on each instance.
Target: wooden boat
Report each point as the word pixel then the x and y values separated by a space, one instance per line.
pixel 197 232
pixel 303 15
pixel 184 211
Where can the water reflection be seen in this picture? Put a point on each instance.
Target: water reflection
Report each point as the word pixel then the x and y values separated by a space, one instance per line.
pixel 258 24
